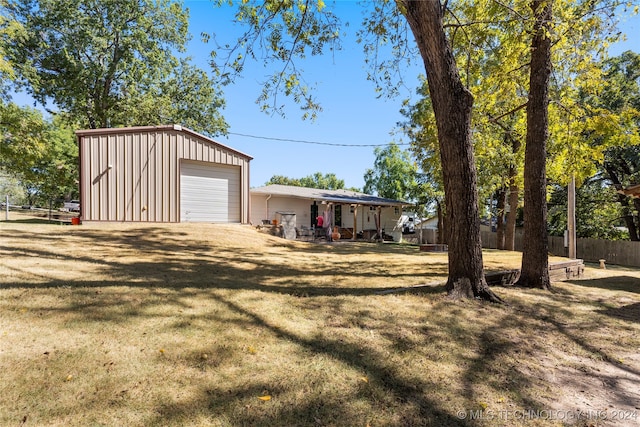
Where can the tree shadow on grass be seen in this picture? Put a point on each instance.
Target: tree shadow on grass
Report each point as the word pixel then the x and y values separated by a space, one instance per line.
pixel 177 264
pixel 386 388
pixel 186 268
pixel 614 283
pixel 616 373
pixel 496 366
pixel 56 222
pixel 629 312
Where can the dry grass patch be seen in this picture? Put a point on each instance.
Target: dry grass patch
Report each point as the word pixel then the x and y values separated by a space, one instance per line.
pixel 184 324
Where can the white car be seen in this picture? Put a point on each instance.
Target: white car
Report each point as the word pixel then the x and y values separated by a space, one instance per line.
pixel 72 206
pixel 409 226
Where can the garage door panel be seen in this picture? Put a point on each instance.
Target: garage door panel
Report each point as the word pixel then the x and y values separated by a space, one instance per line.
pixel 209 193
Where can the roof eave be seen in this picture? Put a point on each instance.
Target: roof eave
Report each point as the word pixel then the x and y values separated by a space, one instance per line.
pixel 341 200
pixel 159 128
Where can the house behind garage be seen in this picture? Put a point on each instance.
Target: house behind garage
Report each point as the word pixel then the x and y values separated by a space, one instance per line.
pixel 352 212
pixel 161 174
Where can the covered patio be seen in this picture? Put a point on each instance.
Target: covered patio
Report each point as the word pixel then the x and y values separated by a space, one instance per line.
pixel 353 215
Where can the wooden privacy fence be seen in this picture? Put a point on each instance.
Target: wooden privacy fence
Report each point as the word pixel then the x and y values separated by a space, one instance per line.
pixel 618 252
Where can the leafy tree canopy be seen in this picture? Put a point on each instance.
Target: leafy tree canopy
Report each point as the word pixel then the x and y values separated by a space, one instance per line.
pixel 12 188
pixel 598 213
pixel 327 181
pixel 41 154
pixel 394 174
pixel 110 63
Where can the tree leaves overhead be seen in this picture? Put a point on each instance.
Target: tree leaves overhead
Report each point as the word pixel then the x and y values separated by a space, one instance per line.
pixel 9 30
pixel 104 61
pixel 491 43
pixel 280 32
pixel 388 46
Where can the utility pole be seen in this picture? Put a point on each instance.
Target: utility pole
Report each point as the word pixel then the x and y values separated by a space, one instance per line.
pixel 571 217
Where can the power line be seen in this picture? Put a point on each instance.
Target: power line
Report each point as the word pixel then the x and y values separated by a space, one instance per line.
pixel 311 142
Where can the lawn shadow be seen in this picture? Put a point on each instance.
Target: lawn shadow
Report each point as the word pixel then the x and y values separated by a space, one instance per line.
pixel 385 388
pixel 614 283
pixel 178 264
pixel 629 313
pixel 496 365
pixel 177 268
pixel 56 222
pixel 606 368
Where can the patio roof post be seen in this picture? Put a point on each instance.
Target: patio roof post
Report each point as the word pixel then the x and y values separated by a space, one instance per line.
pixel 355 221
pixel 379 224
pixel 266 207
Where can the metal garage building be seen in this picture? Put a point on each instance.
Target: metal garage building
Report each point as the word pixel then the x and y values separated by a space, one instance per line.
pixel 161 174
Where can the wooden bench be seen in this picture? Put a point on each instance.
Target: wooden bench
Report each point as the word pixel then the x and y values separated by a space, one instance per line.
pixel 558 270
pixel 434 247
pixel 566 269
pixel 502 278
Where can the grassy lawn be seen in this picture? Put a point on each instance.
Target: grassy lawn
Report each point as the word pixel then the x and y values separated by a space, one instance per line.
pixel 215 325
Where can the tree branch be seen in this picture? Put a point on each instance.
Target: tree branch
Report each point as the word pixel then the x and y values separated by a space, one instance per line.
pixel 495 119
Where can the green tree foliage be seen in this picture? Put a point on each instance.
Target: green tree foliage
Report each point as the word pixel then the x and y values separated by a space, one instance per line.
pixel 9 29
pixel 598 213
pixel 327 181
pixel 491 43
pixel 394 174
pixel 56 174
pixel 283 180
pixel 23 138
pixel 610 131
pixel 420 128
pixel 41 154
pixel 10 186
pixel 110 63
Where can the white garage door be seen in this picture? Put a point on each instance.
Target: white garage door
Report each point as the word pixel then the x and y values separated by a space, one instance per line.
pixel 209 192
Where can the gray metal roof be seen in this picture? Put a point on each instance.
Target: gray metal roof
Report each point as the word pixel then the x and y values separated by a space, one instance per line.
pixel 335 196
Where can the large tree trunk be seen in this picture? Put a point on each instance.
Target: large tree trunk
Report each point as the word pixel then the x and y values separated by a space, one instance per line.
pixel 535 261
pixel 635 218
pixel 452 104
pixel 442 226
pixel 625 203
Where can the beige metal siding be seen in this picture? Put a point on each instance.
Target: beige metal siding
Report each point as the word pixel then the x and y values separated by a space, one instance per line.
pixel 143 183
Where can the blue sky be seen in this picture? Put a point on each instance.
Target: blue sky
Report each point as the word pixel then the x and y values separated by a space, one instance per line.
pixel 352 115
